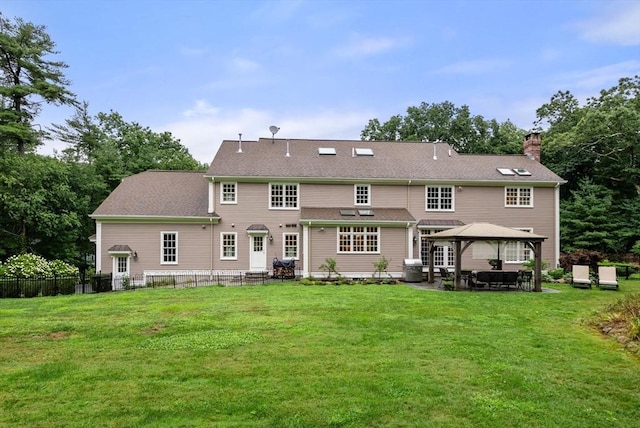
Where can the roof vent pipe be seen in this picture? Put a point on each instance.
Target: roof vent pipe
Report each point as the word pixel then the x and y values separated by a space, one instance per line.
pixel 287 155
pixel 240 142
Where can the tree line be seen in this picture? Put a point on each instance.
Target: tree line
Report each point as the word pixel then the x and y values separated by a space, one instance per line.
pixel 45 201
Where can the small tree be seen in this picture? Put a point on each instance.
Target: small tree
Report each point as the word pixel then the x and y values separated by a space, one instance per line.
pixel 381 266
pixel 329 266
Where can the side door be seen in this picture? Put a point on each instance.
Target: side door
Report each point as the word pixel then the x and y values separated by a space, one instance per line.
pixel 258 253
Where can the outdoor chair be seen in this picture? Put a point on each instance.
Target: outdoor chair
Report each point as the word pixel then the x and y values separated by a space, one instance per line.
pixel 607 278
pixel 447 276
pixel 580 278
pixel 525 278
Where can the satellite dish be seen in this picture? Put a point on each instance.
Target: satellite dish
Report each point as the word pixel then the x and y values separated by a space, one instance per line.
pixel 274 130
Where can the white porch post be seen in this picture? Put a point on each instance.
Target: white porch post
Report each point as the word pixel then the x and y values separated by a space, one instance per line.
pixel 306 237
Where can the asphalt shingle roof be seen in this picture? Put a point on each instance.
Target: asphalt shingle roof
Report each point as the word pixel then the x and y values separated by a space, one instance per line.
pixel 394 160
pixel 159 193
pixel 335 214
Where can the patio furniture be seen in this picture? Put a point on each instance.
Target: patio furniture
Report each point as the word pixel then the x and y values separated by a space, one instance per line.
pixel 580 277
pixel 496 278
pixel 607 278
pixel 525 279
pixel 447 276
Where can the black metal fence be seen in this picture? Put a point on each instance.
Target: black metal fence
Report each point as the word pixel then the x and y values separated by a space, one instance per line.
pixel 99 283
pixel 31 287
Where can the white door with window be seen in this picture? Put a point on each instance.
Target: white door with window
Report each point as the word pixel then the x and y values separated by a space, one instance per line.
pixel 120 269
pixel 443 256
pixel 258 256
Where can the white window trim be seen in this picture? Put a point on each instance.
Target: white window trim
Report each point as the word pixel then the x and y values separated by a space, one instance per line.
pixel 355 195
pixel 378 233
pixel 518 205
pixel 284 244
pixel 162 234
pixel 235 245
pixel 426 199
pixel 520 245
pixel 235 193
pixel 297 207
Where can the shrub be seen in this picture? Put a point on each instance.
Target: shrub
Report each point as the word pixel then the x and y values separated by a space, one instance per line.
pixel 329 266
pixel 381 266
pixel 581 257
pixel 60 268
pixel 27 266
pixel 556 273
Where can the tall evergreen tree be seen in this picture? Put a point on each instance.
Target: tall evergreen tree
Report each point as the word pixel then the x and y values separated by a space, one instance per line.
pixel 28 78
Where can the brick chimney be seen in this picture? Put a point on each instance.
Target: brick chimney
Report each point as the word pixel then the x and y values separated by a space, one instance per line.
pixel 531 145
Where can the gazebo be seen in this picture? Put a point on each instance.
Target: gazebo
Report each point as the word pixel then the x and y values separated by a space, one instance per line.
pixel 463 236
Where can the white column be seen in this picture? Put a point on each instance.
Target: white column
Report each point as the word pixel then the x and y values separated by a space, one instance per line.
pixel 306 253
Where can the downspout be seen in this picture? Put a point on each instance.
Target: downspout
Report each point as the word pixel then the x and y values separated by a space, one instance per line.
pixel 557 224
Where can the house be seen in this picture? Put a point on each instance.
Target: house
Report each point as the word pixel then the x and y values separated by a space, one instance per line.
pixel 354 201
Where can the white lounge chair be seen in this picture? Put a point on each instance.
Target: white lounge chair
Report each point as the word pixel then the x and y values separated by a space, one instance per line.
pixel 580 276
pixel 607 278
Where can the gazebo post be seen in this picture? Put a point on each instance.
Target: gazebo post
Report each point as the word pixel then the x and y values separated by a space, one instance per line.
pixel 458 274
pixel 432 249
pixel 537 278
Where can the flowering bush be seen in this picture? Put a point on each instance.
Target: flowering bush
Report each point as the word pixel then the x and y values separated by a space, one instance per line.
pixel 60 268
pixel 34 266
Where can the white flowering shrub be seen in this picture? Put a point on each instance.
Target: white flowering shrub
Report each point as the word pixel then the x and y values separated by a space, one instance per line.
pixel 60 268
pixel 34 266
pixel 27 266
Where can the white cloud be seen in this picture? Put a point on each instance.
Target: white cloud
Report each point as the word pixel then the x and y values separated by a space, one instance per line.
pixel 203 127
pixel 360 46
pixel 618 24
pixel 243 65
pixel 600 78
pixel 479 66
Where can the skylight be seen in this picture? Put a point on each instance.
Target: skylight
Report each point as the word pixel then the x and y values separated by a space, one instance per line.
pixel 506 171
pixel 521 171
pixel 326 151
pixel 347 211
pixel 363 151
pixel 365 212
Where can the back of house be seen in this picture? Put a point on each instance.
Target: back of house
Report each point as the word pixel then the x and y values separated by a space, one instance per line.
pixel 310 200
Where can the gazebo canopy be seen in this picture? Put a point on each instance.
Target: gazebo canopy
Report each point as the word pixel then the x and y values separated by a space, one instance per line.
pixel 470 233
pixel 485 232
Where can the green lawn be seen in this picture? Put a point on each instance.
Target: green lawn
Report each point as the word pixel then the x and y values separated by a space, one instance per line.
pixel 287 355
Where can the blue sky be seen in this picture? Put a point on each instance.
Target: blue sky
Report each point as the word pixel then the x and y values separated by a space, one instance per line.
pixel 209 70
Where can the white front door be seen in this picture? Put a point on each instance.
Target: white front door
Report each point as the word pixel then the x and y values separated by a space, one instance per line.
pixel 258 256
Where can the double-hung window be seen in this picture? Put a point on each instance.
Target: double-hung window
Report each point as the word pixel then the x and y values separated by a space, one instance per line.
pixel 169 243
pixel 362 194
pixel 518 197
pixel 228 246
pixel 283 196
pixel 228 193
pixel 358 239
pixel 290 245
pixel 440 198
pixel 518 252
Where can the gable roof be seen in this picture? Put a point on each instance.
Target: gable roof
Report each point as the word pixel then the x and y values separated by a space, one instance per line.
pixel 391 161
pixel 158 193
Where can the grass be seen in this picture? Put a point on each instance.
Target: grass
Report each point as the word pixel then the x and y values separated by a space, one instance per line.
pixel 315 356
